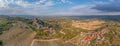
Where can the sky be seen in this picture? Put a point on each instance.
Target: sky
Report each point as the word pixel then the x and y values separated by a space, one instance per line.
pixel 59 7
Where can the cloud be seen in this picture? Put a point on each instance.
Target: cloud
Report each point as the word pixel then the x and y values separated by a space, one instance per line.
pixel 3 3
pixel 24 7
pixel 87 9
pixel 111 0
pixel 49 3
pixel 25 3
pixel 52 7
pixel 42 1
pixel 112 6
pixel 78 10
pixel 11 11
pixel 66 1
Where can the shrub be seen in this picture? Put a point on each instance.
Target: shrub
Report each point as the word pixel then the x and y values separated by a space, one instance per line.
pixel 1 44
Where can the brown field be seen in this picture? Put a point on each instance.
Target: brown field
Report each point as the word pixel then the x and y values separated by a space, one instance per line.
pixel 88 24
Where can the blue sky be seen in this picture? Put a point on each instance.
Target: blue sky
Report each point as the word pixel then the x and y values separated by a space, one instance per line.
pixel 59 7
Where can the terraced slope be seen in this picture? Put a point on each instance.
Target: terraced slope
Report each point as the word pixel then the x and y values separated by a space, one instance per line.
pixel 19 35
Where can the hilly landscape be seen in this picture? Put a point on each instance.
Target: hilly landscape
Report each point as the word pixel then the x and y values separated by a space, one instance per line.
pixel 59 31
pixel 59 22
